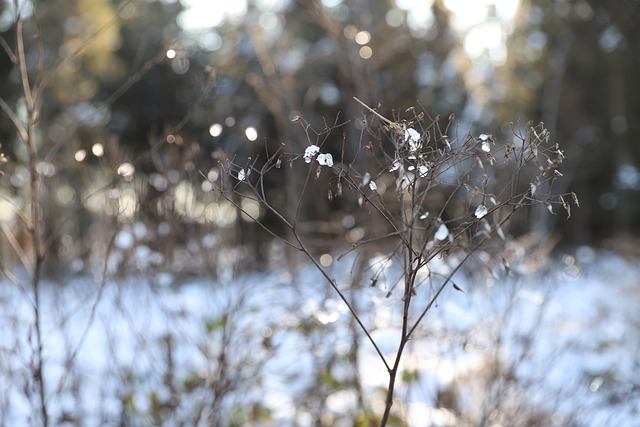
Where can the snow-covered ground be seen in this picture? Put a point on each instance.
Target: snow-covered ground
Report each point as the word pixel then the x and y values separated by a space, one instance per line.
pixel 559 346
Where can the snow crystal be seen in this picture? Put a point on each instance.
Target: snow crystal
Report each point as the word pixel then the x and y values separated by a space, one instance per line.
pixel 413 137
pixel 481 211
pixel 310 152
pixel 485 139
pixel 325 159
pixel 442 232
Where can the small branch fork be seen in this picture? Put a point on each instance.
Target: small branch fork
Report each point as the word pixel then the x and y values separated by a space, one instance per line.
pixel 403 215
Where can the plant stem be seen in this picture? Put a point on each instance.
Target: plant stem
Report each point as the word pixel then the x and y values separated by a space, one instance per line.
pixel 36 220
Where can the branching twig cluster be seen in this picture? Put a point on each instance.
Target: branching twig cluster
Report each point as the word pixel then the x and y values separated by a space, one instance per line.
pixel 428 193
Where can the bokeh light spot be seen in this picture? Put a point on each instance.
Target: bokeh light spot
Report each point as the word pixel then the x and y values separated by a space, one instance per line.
pixel 215 130
pixel 326 260
pixel 363 37
pixel 80 155
pixel 366 52
pixel 350 31
pixel 251 133
pixel 97 149
pixel 126 170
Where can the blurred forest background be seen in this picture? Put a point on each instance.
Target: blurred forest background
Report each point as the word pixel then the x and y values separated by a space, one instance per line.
pixel 117 119
pixel 140 100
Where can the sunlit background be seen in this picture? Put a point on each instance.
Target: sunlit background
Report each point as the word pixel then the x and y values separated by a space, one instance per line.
pixel 209 80
pixel 146 106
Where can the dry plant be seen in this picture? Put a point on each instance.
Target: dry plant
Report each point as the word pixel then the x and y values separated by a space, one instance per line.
pixel 33 259
pixel 426 194
pixel 32 239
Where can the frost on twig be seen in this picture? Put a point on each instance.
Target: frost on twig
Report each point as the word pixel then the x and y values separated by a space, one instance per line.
pixel 415 193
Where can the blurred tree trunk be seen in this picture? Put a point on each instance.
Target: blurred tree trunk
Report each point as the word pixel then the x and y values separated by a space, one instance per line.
pixel 589 67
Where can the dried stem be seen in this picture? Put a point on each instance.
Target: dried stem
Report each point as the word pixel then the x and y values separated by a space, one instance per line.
pixel 456 169
pixel 36 227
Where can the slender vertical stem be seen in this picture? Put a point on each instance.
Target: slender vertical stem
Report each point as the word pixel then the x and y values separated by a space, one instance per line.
pixel 389 399
pixel 36 220
pixel 410 266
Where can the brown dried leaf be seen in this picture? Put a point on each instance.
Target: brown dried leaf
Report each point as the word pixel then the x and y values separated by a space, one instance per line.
pixel 575 199
pixel 505 264
pixel 458 288
pixel 566 207
pixel 508 149
pixel 490 158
